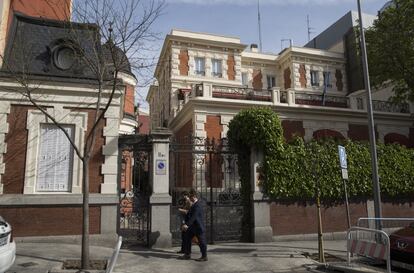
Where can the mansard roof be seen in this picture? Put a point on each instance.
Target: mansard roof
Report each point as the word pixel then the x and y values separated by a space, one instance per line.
pixel 50 48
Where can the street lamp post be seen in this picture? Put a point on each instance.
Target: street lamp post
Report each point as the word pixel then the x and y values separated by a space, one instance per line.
pixel 374 161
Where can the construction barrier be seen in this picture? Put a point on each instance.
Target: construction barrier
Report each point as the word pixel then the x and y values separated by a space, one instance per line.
pixel 379 249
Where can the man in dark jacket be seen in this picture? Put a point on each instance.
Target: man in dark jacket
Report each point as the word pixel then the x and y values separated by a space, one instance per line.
pixel 194 226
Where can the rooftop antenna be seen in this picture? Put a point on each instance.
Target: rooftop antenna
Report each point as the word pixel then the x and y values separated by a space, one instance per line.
pixel 260 27
pixel 309 27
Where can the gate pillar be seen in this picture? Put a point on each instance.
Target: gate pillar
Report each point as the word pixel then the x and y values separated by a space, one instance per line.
pixel 261 230
pixel 160 200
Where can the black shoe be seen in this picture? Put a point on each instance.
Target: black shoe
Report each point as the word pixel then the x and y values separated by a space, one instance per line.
pixel 180 252
pixel 202 259
pixel 184 257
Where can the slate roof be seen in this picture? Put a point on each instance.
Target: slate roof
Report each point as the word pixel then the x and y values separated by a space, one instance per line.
pixel 44 47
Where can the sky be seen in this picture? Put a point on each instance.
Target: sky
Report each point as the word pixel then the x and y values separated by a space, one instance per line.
pixel 280 19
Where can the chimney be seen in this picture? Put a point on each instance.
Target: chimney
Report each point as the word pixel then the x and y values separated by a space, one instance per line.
pixel 253 48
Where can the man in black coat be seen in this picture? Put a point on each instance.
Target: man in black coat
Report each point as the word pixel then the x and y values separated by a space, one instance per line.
pixel 194 226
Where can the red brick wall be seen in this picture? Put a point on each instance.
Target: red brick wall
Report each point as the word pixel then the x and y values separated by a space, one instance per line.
pixel 396 138
pixel 97 158
pixel 286 76
pixel 338 76
pixel 324 133
pixel 213 129
pixel 129 101
pixel 292 128
pixel 358 132
pixel 49 221
pixel 183 162
pixel 144 124
pixel 183 67
pixel 15 158
pixel 231 72
pixel 257 79
pixel 289 219
pixel 49 9
pixel 302 77
pixel 405 210
pixel 295 218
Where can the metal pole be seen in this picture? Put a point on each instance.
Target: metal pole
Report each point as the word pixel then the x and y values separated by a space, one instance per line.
pixel 347 204
pixel 320 234
pixel 210 158
pixel 374 162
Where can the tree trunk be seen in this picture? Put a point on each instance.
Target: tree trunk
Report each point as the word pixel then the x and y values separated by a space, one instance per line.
pixel 85 214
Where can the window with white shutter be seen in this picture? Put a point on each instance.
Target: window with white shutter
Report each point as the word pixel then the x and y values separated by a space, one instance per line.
pixel 55 159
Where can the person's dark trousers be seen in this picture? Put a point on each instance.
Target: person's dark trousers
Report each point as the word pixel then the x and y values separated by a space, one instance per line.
pixel 187 242
pixel 182 241
pixel 202 244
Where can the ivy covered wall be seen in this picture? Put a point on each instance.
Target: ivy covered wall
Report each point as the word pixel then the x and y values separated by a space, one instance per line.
pixel 293 170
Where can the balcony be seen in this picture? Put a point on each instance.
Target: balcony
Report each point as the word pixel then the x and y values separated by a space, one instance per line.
pixel 237 93
pixel 320 100
pixel 293 97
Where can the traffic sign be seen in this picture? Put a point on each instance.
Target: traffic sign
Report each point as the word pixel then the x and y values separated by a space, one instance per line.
pixel 342 157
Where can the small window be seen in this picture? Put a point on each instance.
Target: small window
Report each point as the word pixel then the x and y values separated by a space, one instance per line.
pixel 271 81
pixel 245 79
pixel 216 68
pixel 327 79
pixel 200 66
pixel 314 78
pixel 55 159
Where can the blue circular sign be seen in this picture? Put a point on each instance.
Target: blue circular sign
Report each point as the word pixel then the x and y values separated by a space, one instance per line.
pixel 161 165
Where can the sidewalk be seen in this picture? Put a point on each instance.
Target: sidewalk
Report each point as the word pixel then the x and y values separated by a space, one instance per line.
pixel 227 258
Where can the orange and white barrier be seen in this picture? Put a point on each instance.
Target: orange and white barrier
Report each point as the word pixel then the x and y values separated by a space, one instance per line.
pixel 367 248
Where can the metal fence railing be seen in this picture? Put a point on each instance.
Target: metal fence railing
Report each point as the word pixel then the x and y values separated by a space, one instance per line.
pixel 376 249
pixel 388 225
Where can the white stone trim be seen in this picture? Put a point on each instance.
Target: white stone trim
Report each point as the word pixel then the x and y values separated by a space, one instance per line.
pixel 199 121
pixel 110 151
pixel 384 130
pixel 312 126
pixel 64 116
pixel 4 129
pixel 127 78
pixel 224 121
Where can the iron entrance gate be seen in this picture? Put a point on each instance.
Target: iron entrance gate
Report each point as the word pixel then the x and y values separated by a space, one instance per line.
pixel 210 167
pixel 134 189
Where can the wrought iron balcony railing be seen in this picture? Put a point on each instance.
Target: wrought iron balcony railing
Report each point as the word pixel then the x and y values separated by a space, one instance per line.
pixel 319 100
pixel 292 97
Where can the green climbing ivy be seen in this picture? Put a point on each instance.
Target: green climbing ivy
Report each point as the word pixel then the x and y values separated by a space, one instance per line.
pixel 292 171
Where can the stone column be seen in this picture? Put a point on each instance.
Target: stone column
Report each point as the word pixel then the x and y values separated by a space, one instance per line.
pixel 160 200
pixel 276 95
pixel 291 96
pixel 262 230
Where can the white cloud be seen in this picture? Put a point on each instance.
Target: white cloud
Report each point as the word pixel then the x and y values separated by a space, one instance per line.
pixel 262 2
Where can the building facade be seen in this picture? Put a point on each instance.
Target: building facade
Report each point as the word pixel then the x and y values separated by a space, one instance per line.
pixel 204 80
pixel 40 172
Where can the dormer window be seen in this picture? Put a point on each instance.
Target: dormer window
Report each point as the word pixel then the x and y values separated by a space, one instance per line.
pixel 64 54
pixel 216 68
pixel 200 66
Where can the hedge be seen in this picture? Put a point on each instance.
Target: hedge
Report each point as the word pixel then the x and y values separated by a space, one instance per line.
pixel 293 170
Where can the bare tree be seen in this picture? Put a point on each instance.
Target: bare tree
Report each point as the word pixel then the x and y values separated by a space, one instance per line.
pixel 105 38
